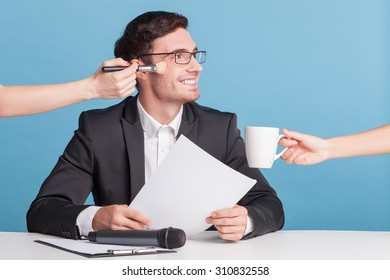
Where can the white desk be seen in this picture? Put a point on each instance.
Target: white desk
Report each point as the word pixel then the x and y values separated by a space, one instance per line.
pixel 282 245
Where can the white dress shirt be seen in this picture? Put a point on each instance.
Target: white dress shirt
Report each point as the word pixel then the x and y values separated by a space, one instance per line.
pixel 159 139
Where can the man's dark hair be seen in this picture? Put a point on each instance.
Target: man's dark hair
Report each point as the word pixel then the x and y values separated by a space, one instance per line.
pixel 140 33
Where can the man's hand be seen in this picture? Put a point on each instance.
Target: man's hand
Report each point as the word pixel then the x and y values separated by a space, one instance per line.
pixel 119 217
pixel 230 223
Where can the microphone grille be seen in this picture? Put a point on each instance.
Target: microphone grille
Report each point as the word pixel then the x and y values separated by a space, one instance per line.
pixel 171 238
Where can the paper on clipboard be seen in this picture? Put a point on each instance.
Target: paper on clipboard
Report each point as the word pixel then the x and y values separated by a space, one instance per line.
pixel 187 187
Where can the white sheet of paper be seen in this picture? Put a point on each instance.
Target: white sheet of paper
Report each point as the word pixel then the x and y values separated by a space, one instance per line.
pixel 187 187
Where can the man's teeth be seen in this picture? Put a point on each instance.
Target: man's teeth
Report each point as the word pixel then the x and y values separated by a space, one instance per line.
pixel 189 82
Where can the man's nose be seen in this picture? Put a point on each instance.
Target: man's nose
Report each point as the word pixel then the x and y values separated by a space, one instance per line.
pixel 194 65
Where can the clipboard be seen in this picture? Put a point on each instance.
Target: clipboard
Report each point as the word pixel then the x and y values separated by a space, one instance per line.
pixel 92 250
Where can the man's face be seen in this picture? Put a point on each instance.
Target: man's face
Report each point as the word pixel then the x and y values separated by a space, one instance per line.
pixel 179 83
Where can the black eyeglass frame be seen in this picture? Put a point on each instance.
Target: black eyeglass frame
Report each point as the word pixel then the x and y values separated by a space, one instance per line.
pixel 193 54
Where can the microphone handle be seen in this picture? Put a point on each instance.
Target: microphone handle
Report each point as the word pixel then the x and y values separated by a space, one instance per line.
pixel 126 237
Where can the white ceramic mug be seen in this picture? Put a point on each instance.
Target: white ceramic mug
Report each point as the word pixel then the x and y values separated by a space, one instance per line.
pixel 261 144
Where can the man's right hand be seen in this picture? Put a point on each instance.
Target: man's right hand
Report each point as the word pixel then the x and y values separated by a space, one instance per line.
pixel 119 217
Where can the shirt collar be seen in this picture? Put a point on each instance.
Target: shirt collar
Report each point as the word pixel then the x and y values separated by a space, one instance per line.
pixel 151 126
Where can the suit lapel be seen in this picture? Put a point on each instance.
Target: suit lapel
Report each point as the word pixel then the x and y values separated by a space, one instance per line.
pixel 189 124
pixel 134 139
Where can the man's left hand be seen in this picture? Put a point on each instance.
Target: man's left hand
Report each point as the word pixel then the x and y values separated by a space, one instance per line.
pixel 230 223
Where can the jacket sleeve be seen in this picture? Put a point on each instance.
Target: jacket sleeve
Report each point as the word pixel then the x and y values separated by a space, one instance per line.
pixel 63 194
pixel 262 203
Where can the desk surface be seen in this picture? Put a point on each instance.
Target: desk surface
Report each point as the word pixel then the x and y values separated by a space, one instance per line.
pixel 281 245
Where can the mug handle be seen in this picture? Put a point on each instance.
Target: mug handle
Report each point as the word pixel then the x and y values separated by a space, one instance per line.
pixel 285 149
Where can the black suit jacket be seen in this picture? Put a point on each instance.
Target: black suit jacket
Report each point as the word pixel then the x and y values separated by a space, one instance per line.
pixel 106 157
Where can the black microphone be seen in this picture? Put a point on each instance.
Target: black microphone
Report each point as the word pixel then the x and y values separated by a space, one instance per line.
pixel 166 238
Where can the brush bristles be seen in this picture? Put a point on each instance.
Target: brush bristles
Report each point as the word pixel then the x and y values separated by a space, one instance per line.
pixel 161 67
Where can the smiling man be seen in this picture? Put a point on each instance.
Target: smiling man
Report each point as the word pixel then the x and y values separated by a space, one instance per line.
pixel 115 150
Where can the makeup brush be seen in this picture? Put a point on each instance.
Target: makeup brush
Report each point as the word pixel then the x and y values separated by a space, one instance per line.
pixel 158 68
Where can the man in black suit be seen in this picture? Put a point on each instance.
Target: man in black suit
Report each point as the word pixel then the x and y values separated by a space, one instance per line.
pixel 116 149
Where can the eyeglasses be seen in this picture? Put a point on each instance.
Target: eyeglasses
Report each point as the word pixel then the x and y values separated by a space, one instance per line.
pixel 182 57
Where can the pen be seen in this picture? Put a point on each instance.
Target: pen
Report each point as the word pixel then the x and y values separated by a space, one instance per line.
pixel 133 251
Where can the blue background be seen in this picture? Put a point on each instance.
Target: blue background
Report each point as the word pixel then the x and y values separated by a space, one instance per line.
pixel 319 67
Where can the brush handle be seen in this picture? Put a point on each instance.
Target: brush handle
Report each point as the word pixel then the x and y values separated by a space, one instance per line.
pixel 147 68
pixel 112 68
pixel 142 68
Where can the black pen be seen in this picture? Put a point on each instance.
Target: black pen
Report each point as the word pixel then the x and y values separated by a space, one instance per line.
pixel 134 251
